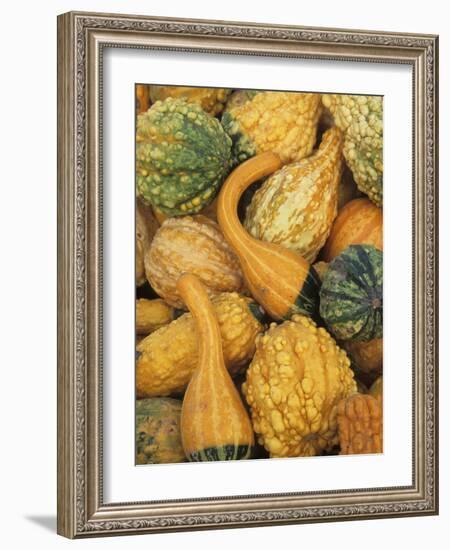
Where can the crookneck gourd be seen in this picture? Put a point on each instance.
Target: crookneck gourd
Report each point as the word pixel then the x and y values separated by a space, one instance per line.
pixel 158 435
pixel 214 422
pixel 191 244
pixel 282 122
pixel 152 314
pixel 296 206
pixel 361 120
pixel 351 296
pixel 358 222
pixel 167 358
pixel 360 423
pixel 182 157
pixel 280 280
pixel 212 100
pixel 294 383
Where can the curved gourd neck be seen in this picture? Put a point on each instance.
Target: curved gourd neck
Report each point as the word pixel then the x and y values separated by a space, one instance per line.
pixel 237 182
pixel 194 295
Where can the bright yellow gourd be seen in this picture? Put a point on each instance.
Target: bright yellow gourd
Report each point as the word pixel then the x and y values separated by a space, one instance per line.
pixel 152 314
pixel 294 383
pixel 280 280
pixel 168 357
pixel 214 422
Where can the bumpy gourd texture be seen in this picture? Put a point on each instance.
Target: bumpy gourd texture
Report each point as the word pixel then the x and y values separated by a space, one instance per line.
pixel 296 206
pixel 158 436
pixel 360 423
pixel 361 120
pixel 182 156
pixel 282 122
pixel 351 296
pixel 294 383
pixel 191 244
pixel 168 357
pixel 211 100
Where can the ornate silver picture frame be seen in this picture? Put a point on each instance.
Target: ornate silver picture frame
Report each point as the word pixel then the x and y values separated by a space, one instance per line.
pixel 82 40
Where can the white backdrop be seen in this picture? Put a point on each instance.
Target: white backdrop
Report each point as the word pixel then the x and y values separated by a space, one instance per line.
pixel 28 289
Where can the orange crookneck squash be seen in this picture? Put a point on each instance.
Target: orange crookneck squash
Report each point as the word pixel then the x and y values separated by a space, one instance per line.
pixel 214 422
pixel 280 280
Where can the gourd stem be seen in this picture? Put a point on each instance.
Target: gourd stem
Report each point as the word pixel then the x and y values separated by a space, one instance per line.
pixel 237 182
pixel 196 298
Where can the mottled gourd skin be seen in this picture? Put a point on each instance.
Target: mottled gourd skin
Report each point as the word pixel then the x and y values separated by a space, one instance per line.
pixel 146 227
pixel 296 206
pixel 294 383
pixel 158 437
pixel 182 157
pixel 351 296
pixel 367 356
pixel 168 357
pixel 360 423
pixel 191 244
pixel 211 100
pixel 361 120
pixel 282 122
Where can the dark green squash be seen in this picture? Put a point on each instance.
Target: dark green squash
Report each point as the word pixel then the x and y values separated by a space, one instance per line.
pixel 182 157
pixel 351 296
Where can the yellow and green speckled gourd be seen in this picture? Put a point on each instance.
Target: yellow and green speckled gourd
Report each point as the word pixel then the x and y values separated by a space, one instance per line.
pixel 280 280
pixel 282 122
pixel 212 100
pixel 296 206
pixel 361 119
pixel 214 422
pixel 182 157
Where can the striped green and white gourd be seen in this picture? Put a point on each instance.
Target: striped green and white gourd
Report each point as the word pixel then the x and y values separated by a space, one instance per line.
pixel 351 296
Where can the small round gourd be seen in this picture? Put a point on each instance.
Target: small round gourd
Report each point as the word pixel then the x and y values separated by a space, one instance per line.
pixel 182 157
pixel 351 296
pixel 191 244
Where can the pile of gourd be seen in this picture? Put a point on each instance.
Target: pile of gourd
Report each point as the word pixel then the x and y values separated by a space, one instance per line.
pixel 259 274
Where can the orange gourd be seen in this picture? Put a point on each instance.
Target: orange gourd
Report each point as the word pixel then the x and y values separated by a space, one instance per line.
pixel 280 280
pixel 214 422
pixel 360 425
pixel 358 222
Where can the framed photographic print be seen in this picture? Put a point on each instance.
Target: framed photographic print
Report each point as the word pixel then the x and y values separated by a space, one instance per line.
pixel 247 288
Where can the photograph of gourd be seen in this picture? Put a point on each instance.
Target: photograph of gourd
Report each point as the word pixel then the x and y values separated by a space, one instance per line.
pixel 259 274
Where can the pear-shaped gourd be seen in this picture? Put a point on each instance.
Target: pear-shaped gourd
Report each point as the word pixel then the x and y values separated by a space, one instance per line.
pixel 280 280
pixel 214 422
